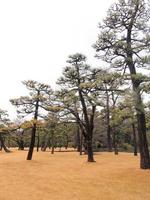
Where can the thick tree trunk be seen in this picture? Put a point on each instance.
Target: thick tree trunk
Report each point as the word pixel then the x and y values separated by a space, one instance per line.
pixel 85 146
pixel 3 145
pixel 31 147
pixel 90 151
pixel 134 139
pixel 141 127
pixel 143 144
pixel 140 113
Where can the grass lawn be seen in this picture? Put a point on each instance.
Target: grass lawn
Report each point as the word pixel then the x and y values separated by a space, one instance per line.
pixel 67 176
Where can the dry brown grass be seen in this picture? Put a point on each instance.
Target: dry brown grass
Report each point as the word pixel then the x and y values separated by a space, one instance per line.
pixel 67 176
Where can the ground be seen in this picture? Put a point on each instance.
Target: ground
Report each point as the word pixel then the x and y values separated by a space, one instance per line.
pixel 67 176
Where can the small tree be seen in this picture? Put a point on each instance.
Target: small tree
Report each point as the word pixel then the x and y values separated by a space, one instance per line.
pixel 38 99
pixel 3 128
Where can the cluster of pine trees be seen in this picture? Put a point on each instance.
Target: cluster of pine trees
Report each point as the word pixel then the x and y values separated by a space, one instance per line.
pixel 94 107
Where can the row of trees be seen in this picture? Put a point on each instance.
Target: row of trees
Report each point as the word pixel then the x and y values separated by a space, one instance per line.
pixel 86 93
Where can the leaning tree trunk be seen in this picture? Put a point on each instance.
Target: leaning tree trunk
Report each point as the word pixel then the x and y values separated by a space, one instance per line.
pixel 31 147
pixel 134 139
pixel 33 133
pixel 3 145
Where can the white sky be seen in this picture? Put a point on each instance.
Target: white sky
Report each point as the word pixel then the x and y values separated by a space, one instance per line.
pixel 36 37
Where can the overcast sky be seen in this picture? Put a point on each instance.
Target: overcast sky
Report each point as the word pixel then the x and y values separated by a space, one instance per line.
pixel 36 36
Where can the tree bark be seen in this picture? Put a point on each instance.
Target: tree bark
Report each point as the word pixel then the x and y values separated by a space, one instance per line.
pixel 134 139
pixel 38 141
pixel 33 133
pixel 109 141
pixel 78 139
pixel 115 141
pixel 52 144
pixel 143 144
pixel 67 142
pixel 1 146
pixel 81 143
pixel 141 123
pixel 90 150
pixel 31 147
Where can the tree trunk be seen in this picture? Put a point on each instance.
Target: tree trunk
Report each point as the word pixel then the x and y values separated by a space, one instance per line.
pixel 3 145
pixel 89 124
pixel 141 127
pixel 31 147
pixel 140 113
pixel 109 141
pixel 134 139
pixel 67 142
pixel 20 141
pixel 78 139
pixel 20 144
pixel 81 143
pixel 90 150
pixel 52 144
pixel 45 143
pixel 33 133
pixel 85 146
pixel 53 148
pixel 143 144
pixel 115 141
pixel 38 141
